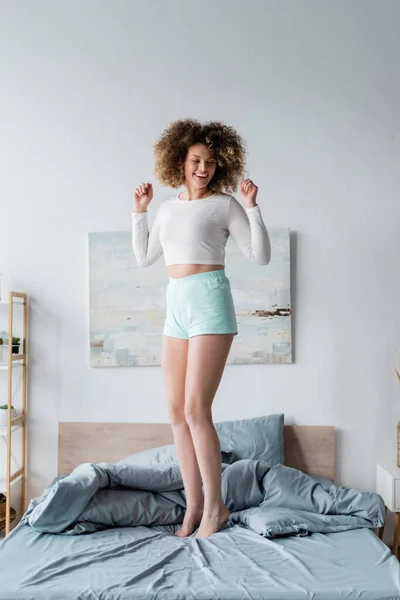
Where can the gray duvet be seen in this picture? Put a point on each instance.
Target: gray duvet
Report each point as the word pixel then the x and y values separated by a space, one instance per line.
pixel 264 552
pixel 271 501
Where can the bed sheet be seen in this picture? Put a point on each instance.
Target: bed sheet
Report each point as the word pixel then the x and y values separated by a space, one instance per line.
pixel 235 564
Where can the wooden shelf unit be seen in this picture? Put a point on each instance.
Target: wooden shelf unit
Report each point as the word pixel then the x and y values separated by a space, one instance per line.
pixel 19 422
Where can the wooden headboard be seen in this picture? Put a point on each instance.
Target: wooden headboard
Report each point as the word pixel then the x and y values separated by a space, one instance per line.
pixel 308 448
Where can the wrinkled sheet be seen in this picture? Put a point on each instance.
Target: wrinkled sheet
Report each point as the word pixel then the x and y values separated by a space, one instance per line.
pixel 271 501
pixel 235 564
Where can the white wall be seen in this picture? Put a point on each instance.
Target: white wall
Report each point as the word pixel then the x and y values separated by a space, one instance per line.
pixel 88 86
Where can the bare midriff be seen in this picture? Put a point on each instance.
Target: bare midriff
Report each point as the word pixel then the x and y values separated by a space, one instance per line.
pixel 178 271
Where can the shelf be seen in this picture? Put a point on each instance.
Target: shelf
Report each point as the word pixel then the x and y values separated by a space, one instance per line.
pixel 3 487
pixel 4 365
pixel 17 360
pixel 16 423
pixel 14 324
pixel 3 429
pixel 17 300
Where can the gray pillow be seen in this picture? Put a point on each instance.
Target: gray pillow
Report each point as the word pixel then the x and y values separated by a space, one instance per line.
pixel 162 455
pixel 260 438
pixel 159 455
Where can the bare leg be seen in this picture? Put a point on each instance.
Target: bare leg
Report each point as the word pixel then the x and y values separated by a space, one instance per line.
pixel 206 362
pixel 174 363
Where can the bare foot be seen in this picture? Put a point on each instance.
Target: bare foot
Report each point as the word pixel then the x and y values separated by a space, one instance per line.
pixel 212 522
pixel 191 521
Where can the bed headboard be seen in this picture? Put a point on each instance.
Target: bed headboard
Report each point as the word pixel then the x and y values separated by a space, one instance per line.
pixel 308 448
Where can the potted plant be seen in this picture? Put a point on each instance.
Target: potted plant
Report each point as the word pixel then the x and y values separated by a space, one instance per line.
pixel 15 345
pixel 3 414
pixel 15 342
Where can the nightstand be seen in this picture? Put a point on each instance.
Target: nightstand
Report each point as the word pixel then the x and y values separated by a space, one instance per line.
pixel 388 486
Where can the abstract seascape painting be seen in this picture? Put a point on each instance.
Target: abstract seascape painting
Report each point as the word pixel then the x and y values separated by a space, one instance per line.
pixel 262 303
pixel 127 304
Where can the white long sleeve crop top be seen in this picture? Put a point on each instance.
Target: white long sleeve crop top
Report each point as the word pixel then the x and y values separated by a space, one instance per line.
pixel 196 232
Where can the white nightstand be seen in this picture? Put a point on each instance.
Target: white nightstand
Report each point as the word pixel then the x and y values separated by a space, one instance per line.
pixel 388 486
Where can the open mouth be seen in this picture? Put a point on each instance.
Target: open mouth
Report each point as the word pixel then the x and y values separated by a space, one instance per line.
pixel 200 177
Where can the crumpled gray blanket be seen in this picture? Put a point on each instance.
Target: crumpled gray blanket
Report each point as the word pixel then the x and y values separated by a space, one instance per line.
pixel 271 501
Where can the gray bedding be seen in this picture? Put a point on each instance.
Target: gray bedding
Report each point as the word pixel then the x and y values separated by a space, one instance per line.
pixel 270 501
pixel 105 532
pixel 140 563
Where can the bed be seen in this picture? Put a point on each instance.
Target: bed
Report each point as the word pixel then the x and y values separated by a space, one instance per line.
pixel 148 562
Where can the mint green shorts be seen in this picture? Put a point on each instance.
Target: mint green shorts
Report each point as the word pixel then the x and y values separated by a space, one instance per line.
pixel 200 304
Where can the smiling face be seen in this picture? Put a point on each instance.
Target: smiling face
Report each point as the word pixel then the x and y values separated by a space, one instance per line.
pixel 200 167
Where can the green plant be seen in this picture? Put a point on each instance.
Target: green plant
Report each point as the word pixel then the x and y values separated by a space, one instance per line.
pixel 15 341
pixel 1 341
pixel 5 406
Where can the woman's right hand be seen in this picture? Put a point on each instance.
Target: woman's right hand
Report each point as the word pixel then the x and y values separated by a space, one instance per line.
pixel 143 196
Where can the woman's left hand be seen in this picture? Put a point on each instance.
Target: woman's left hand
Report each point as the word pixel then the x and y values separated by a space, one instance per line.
pixel 248 192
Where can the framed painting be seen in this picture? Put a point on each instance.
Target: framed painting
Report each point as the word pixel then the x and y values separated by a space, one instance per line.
pixel 127 304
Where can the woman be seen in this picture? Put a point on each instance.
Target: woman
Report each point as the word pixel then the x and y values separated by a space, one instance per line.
pixel 191 229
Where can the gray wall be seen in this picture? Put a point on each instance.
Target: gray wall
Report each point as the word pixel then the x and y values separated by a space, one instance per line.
pixel 313 86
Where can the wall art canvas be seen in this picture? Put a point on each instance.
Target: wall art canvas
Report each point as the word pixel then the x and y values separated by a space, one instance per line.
pixel 127 304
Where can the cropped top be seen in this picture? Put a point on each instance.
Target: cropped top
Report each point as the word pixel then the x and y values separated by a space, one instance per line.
pixel 196 232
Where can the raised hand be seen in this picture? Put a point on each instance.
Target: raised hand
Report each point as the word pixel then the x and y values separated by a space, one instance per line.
pixel 248 192
pixel 142 197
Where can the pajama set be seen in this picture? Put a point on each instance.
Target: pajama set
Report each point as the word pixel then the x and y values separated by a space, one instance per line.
pixel 196 232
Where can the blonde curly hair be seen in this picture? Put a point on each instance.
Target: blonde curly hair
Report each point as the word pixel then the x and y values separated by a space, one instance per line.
pixel 223 141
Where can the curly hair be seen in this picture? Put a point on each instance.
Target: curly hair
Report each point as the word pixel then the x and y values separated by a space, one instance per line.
pixel 223 141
